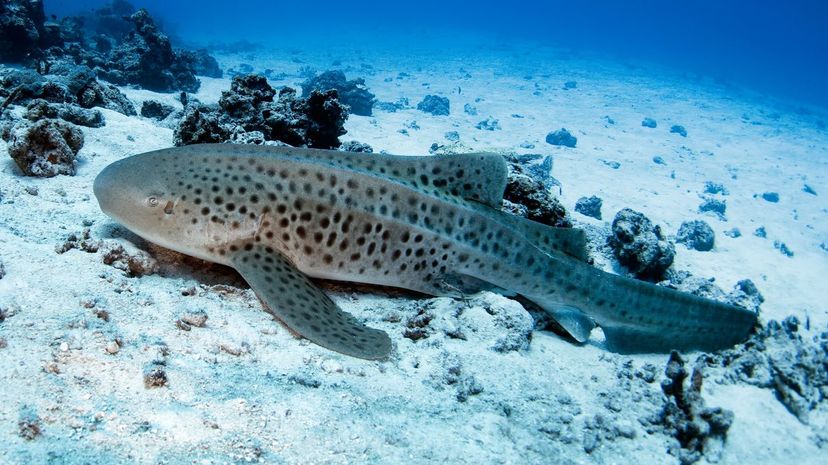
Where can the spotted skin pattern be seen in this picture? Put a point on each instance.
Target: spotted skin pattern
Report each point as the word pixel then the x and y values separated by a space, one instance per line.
pixel 411 222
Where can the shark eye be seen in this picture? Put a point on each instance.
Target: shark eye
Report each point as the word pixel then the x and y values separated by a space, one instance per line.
pixel 152 201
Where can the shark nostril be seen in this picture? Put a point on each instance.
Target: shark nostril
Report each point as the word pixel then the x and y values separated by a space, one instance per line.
pixel 168 208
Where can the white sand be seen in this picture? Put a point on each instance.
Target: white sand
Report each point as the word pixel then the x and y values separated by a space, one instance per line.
pixel 258 406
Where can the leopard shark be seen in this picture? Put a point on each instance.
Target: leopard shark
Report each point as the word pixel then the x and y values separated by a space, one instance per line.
pixel 284 217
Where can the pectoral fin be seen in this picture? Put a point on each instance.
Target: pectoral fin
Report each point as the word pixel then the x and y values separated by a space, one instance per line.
pixel 291 297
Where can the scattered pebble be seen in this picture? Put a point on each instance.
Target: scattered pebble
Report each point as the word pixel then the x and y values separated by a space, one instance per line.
pixel 772 197
pixel 561 137
pixel 711 187
pixel 113 347
pixel 28 423
pixel 304 380
pixel 570 85
pixel 489 124
pixel 733 232
pixel 658 160
pixel 470 109
pixel 197 318
pixel 135 263
pixel 154 376
pixel 678 129
pixel 782 248
pixel 452 136
pixel 649 123
pixel 760 232
pixel 232 349
pixel 435 105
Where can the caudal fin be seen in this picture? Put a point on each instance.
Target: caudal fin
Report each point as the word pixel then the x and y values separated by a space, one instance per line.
pixel 637 316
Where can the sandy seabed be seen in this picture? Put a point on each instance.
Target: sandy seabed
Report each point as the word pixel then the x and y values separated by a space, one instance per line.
pixel 244 389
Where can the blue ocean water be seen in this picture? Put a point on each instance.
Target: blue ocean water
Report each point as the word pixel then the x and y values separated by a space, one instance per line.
pixel 775 46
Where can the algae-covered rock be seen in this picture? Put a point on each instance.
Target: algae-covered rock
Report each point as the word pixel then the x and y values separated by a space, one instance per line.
pixel 45 148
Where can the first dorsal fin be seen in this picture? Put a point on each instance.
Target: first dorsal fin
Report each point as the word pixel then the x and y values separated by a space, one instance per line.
pixel 472 176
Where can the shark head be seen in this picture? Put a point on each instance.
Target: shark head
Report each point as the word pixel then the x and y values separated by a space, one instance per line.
pixel 135 192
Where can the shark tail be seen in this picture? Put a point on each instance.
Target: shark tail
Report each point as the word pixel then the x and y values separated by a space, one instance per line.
pixel 638 317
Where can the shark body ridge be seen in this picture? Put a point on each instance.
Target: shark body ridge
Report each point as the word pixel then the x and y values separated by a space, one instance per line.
pixel 431 224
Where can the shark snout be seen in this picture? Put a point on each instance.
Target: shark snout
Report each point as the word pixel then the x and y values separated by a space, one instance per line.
pixel 104 186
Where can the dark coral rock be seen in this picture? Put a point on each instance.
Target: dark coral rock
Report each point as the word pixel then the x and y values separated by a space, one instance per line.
pixel 156 110
pixel 22 31
pixel 561 137
pixel 111 19
pixel 74 114
pixel 146 58
pixel 529 197
pixel 68 84
pixel 324 119
pixel 649 123
pixel 678 129
pixel 250 111
pixel 745 294
pixel 640 246
pixel 315 122
pixel 40 109
pixel 353 93
pixel 697 235
pixel 685 415
pixel 245 98
pixel 434 104
pixel 21 86
pixel 202 63
pixel 538 166
pixel 589 206
pixel 392 107
pixel 200 125
pixel 684 281
pixel 715 206
pixel 784 359
pixel 356 146
pixel 106 96
pixel 46 148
